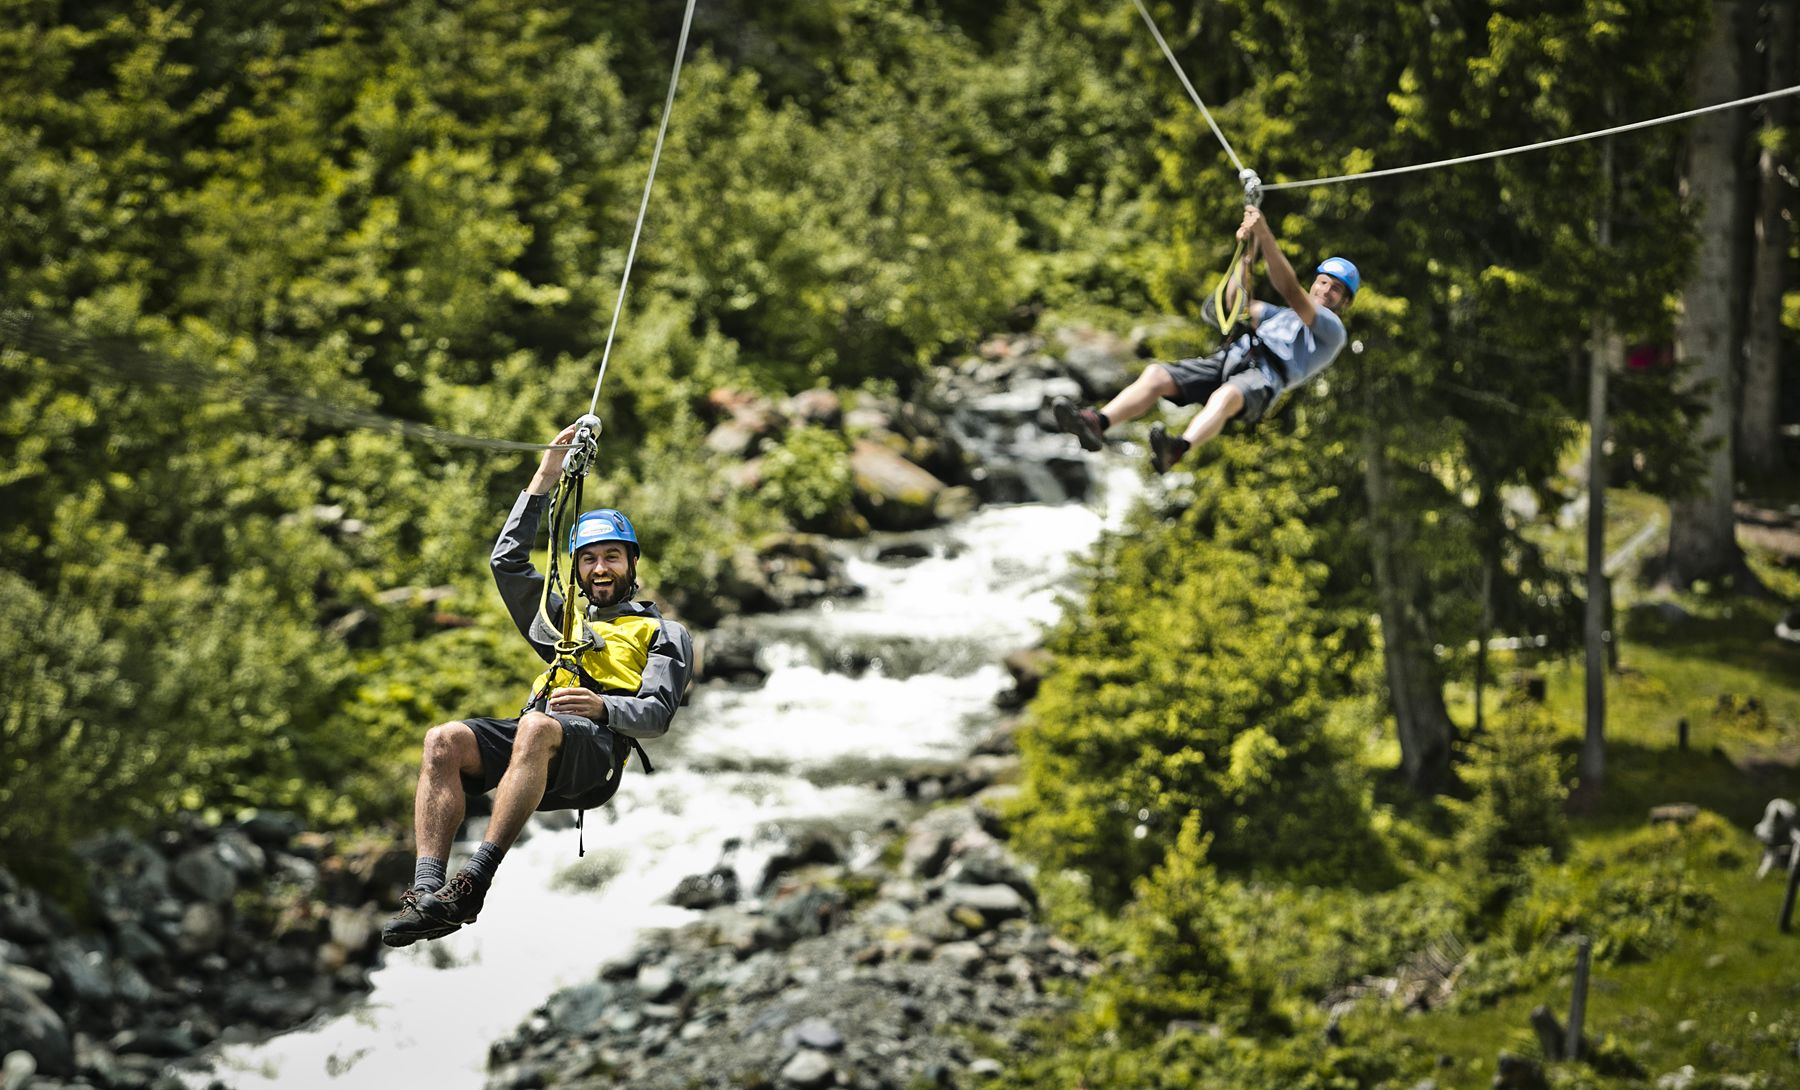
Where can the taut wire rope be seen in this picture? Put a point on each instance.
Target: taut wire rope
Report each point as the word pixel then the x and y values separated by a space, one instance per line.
pixel 662 130
pixel 1185 82
pixel 1616 129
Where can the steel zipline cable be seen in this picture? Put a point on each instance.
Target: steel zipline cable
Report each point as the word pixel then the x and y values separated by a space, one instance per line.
pixel 1185 82
pixel 687 20
pixel 1248 177
pixel 1520 149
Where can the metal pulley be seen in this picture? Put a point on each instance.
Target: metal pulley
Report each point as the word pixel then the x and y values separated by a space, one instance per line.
pixel 585 448
pixel 1253 188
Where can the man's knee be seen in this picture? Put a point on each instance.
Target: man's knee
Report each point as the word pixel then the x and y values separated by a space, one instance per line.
pixel 451 746
pixel 539 734
pixel 1227 400
pixel 1156 378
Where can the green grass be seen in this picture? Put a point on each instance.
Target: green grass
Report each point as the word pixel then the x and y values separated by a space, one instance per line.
pixel 1724 996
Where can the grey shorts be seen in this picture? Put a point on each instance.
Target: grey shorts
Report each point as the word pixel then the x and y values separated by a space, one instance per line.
pixel 584 773
pixel 1196 379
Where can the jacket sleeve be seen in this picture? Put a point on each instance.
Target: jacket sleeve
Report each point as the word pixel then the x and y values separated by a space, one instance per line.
pixel 521 585
pixel 667 670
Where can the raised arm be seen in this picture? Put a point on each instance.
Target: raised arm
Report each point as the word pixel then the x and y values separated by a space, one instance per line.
pixel 1281 274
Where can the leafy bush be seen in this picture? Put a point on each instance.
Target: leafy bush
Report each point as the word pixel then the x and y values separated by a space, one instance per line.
pixel 1194 677
pixel 808 477
pixel 1519 781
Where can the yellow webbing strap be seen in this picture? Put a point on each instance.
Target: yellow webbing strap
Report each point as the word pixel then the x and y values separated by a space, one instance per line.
pixel 1240 305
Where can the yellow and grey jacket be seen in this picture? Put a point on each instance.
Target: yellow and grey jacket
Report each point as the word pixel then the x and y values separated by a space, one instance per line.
pixel 641 662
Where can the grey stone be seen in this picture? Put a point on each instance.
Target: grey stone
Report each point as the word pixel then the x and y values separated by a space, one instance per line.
pixel 17 1069
pixel 994 903
pixel 814 1033
pixel 964 957
pixel 575 1011
pixel 202 873
pixel 131 985
pixel 657 983
pixel 80 972
pixel 137 945
pixel 28 1024
pixel 237 851
pixel 202 929
pixel 30 978
pixel 986 1067
pixel 272 828
pixel 808 1070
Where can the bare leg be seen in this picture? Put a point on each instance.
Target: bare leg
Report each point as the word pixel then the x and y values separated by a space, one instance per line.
pixel 522 787
pixel 1143 393
pixel 1226 402
pixel 438 807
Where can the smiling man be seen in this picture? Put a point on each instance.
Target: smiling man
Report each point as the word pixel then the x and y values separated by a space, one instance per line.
pixel 1284 347
pixel 567 749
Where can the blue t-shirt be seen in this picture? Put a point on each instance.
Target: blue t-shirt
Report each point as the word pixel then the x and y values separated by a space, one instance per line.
pixel 1296 352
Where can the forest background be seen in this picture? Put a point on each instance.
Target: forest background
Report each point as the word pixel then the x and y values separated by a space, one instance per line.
pixel 422 209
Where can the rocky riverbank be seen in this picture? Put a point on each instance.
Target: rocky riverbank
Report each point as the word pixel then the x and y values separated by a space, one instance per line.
pixel 205 933
pixel 912 964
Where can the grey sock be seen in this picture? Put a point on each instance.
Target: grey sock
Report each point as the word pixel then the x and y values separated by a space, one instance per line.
pixel 428 874
pixel 486 860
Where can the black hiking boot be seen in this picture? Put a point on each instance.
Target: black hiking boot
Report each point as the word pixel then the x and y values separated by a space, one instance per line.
pixel 409 925
pixel 1165 450
pixel 456 904
pixel 1082 423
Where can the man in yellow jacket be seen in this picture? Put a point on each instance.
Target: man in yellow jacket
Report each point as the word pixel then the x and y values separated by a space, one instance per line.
pixel 567 749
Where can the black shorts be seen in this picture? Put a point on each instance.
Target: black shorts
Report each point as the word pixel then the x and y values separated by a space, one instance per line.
pixel 584 773
pixel 1196 379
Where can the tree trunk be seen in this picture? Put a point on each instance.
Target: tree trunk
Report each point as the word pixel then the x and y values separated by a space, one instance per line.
pixel 1759 438
pixel 1702 530
pixel 1608 355
pixel 1604 350
pixel 1415 689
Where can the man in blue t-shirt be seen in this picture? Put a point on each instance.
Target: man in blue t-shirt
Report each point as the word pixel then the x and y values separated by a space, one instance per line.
pixel 1285 347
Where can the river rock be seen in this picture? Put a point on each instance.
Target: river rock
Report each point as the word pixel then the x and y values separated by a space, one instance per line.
pixel 657 983
pixel 1101 361
pixel 28 1024
pixel 892 492
pixel 814 1033
pixel 808 1070
pixel 206 876
pixel 931 840
pixel 272 828
pixel 718 886
pixel 816 407
pixel 982 907
pixel 202 929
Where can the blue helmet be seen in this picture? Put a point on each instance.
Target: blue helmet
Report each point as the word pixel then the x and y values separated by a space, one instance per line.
pixel 603 524
pixel 1342 271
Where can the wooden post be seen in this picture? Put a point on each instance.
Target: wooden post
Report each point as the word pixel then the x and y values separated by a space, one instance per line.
pixel 1787 902
pixel 1578 1002
pixel 1681 735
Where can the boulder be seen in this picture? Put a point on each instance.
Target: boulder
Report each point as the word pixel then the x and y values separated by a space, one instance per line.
pixel 1101 361
pixel 819 407
pixel 204 874
pixel 29 1025
pixel 891 492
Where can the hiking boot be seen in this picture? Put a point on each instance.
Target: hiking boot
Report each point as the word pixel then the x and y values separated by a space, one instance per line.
pixel 1165 450
pixel 409 925
pixel 1083 424
pixel 456 904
